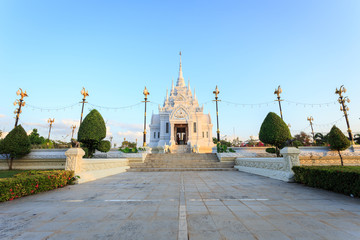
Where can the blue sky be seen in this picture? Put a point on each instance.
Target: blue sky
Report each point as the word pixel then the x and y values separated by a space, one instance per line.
pixel 114 48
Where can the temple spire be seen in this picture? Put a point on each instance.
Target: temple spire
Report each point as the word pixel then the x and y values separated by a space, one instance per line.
pixel 180 80
pixel 189 84
pixel 194 94
pixel 167 95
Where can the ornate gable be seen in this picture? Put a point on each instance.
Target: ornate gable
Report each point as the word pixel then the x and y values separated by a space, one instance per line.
pixel 180 113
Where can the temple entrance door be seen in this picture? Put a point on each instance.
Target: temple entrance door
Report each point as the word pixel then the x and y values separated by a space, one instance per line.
pixel 181 134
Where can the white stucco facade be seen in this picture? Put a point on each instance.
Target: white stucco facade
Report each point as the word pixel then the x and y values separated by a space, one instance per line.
pixel 181 120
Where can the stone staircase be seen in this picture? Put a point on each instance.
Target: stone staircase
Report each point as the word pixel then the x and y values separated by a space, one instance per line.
pixel 181 162
pixel 180 149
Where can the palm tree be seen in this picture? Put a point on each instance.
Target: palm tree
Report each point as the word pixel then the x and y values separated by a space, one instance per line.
pixel 321 139
pixel 357 138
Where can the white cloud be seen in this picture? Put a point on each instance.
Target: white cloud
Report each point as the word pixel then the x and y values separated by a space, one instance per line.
pixel 130 135
pixel 127 126
pixel 70 122
pixel 108 132
pixel 35 125
pixel 2 116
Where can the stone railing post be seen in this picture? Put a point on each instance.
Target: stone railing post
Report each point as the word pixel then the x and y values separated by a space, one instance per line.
pixel 74 159
pixel 291 157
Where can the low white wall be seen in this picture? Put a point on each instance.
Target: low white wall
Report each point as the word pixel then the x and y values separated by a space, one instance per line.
pixel 92 169
pixel 56 159
pixel 32 164
pixel 277 168
pixel 309 156
pixel 268 167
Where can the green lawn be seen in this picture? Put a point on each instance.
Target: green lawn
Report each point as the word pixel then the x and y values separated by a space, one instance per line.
pixel 9 173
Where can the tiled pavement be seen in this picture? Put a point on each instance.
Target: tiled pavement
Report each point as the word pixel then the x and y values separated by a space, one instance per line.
pixel 218 205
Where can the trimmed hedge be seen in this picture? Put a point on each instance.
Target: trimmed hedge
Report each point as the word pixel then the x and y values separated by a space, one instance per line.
pixel 104 146
pixel 32 182
pixel 274 131
pixel 339 179
pixel 92 130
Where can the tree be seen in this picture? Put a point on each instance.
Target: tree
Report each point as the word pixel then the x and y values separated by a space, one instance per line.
pixel 357 138
pixel 15 145
pixel 303 138
pixel 236 142
pixel 338 141
pixel 274 131
pixel 35 137
pixel 128 144
pixel 321 139
pixel 92 131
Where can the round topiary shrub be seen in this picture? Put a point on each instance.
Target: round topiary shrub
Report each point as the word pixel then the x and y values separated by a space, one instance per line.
pixel 270 150
pixel 338 141
pixel 104 146
pixel 92 130
pixel 274 131
pixel 16 144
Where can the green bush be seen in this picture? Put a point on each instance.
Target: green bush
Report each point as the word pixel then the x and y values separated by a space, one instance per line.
pixel 124 150
pixel 270 150
pixel 334 178
pixel 48 144
pixel 92 130
pixel 104 146
pixel 131 150
pixel 134 150
pixel 16 144
pixel 32 182
pixel 338 141
pixel 221 148
pixel 297 144
pixel 231 150
pixel 35 138
pixel 274 130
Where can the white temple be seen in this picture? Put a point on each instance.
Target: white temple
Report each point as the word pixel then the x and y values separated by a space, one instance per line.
pixel 181 121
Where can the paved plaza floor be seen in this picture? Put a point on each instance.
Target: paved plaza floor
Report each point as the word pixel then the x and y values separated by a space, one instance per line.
pixel 182 205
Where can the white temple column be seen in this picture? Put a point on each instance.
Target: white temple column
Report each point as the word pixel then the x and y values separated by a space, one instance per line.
pixel 172 141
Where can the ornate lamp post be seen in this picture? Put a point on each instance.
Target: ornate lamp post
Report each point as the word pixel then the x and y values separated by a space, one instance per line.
pixel 344 108
pixel 19 102
pixel 146 93
pixel 85 94
pixel 73 127
pixel 51 123
pixel 277 92
pixel 217 92
pixel 311 119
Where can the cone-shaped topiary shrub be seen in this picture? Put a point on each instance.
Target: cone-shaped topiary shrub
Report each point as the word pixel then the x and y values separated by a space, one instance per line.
pixel 338 141
pixel 274 131
pixel 16 144
pixel 92 130
pixel 104 146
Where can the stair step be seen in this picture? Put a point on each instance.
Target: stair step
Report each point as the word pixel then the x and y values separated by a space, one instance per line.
pixel 177 169
pixel 181 162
